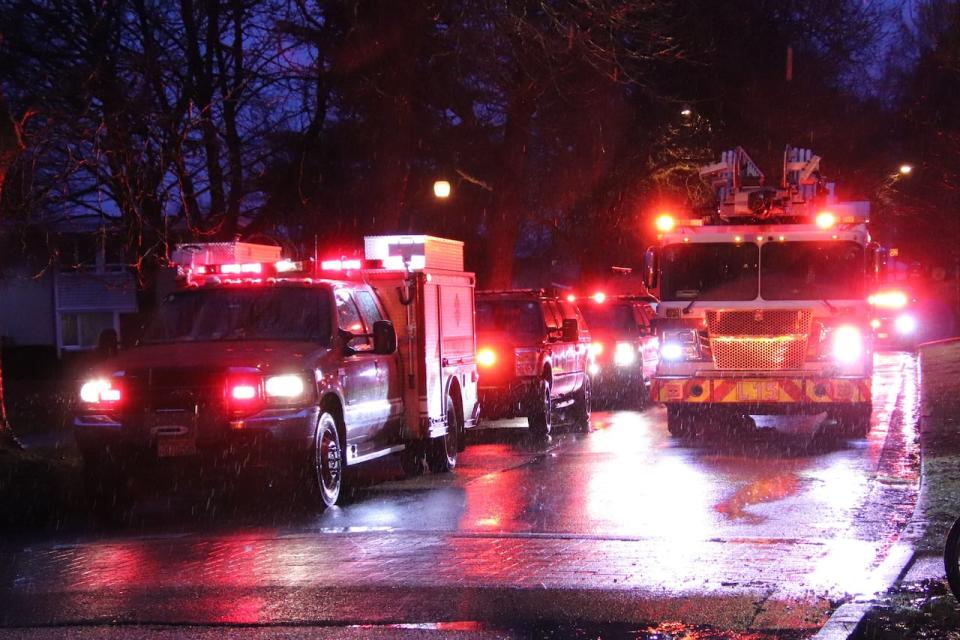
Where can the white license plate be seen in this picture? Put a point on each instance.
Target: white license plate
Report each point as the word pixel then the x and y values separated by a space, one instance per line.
pixel 174 447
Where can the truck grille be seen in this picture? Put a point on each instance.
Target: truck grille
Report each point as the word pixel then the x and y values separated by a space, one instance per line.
pixel 767 339
pixel 175 388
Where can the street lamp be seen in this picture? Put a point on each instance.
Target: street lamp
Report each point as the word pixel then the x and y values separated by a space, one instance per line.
pixel 441 189
pixel 905 169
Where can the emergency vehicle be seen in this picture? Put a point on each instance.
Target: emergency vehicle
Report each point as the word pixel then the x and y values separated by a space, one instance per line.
pixel 763 301
pixel 625 348
pixel 299 367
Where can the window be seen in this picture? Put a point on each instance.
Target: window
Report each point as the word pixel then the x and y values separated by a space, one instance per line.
pixel 242 314
pixel 710 271
pixel 812 270
pixel 348 318
pixel 510 317
pixel 82 330
pixel 553 315
pixel 368 308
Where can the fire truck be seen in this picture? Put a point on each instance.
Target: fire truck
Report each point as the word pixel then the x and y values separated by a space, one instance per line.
pixel 763 301
pixel 302 368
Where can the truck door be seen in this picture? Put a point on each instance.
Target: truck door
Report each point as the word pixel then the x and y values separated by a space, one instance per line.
pixel 579 351
pixel 358 374
pixel 563 364
pixel 649 343
pixel 389 381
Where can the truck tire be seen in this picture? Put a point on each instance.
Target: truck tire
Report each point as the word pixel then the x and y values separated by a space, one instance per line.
pixel 442 452
pixel 951 558
pixel 582 406
pixel 328 462
pixel 680 421
pixel 540 416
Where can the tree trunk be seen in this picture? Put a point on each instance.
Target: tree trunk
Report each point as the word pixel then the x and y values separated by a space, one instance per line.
pixel 508 205
pixel 10 146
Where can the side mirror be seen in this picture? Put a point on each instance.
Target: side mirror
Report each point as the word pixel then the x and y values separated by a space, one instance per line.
pixel 571 330
pixel 384 337
pixel 651 268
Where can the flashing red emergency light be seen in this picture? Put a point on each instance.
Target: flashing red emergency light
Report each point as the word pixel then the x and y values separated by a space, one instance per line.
pixel 340 265
pixel 599 297
pixel 486 357
pixel 571 298
pixel 665 222
pixel 826 219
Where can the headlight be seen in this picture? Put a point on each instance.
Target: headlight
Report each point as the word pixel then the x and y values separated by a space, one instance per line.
pixel 596 348
pixel 101 391
pixel 526 362
pixel 625 355
pixel 847 344
pixel 680 345
pixel 905 323
pixel 288 386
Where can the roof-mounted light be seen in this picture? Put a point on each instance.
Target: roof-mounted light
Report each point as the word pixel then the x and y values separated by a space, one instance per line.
pixel 340 265
pixel 888 299
pixel 826 219
pixel 665 223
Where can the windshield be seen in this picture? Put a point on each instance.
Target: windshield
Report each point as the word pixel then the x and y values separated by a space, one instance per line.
pixel 242 314
pixel 710 271
pixel 618 318
pixel 812 271
pixel 510 316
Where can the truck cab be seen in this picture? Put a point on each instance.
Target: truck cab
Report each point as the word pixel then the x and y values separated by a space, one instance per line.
pixel 533 357
pixel 293 368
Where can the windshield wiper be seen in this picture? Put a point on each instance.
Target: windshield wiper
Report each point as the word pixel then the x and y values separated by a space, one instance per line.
pixel 687 308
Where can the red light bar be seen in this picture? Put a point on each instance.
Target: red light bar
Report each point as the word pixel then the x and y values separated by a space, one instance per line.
pixel 340 265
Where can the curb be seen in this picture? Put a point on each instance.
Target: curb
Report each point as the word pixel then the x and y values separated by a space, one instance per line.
pixel 844 623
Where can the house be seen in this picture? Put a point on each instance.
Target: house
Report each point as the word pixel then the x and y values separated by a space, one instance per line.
pixel 61 293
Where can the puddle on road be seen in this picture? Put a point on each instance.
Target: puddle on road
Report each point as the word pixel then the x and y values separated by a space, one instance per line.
pixel 762 490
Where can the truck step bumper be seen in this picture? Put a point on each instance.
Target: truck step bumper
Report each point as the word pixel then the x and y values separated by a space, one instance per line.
pixel 787 390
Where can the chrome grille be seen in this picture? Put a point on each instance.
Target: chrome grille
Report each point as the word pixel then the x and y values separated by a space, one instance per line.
pixel 771 339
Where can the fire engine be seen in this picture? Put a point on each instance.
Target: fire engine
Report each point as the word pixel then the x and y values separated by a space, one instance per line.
pixel 300 367
pixel 763 301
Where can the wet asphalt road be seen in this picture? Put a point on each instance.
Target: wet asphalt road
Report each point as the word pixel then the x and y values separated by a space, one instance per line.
pixel 768 531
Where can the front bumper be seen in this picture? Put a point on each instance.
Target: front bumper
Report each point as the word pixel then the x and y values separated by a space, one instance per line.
pixel 511 399
pixel 268 437
pixel 794 390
